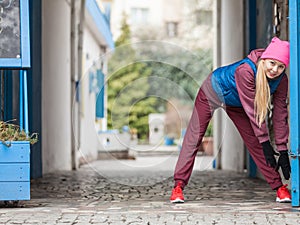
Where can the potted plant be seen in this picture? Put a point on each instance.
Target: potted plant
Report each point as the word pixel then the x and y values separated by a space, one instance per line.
pixel 169 139
pixel 207 142
pixel 15 162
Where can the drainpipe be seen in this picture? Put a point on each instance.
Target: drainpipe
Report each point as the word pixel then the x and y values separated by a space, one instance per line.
pixel 217 124
pixel 80 54
pixel 73 70
pixel 76 74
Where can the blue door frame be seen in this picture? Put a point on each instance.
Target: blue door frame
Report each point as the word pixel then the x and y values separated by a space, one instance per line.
pixel 294 23
pixel 250 45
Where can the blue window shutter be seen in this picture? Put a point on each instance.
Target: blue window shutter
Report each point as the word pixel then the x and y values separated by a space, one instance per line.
pixel 100 95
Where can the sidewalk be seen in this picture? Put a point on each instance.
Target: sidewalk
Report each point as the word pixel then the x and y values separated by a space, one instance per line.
pixel 137 192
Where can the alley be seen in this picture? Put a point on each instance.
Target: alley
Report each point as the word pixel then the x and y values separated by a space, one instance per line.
pixel 137 192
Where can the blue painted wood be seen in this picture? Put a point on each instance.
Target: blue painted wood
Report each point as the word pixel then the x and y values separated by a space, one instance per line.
pixel 21 100
pixel 25 38
pixel 251 26
pixel 294 23
pixel 24 60
pixel 35 86
pixel 10 63
pixel 14 172
pixel 100 95
pixel 14 191
pixel 25 93
pixel 252 167
pixel 19 151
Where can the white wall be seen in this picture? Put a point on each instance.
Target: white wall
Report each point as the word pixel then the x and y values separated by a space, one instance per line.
pixel 156 128
pixel 89 137
pixel 57 127
pixel 56 100
pixel 232 49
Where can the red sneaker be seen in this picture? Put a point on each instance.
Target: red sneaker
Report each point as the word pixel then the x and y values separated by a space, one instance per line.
pixel 283 194
pixel 177 195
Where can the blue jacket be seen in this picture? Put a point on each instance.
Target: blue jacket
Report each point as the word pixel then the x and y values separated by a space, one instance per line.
pixel 224 84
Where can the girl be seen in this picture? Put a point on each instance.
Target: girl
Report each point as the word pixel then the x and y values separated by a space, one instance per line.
pixel 244 90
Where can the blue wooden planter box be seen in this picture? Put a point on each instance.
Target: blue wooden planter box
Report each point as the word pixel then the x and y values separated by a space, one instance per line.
pixel 15 171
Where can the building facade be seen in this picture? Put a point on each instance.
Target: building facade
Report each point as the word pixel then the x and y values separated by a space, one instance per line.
pixel 68 45
pixel 75 39
pixel 185 23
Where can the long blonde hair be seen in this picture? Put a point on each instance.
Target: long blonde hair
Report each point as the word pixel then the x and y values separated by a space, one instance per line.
pixel 262 99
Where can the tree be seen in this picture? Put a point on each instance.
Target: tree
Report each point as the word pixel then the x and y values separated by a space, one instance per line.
pixel 125 36
pixel 128 100
pixel 181 71
pixel 146 75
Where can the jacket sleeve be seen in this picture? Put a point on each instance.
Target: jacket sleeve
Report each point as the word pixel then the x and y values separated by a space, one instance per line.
pixel 245 83
pixel 280 115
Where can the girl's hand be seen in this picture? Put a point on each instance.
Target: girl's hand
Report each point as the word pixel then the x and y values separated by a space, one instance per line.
pixel 284 163
pixel 269 154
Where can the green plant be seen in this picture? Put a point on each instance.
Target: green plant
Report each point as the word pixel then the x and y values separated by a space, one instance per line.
pixel 12 132
pixel 209 130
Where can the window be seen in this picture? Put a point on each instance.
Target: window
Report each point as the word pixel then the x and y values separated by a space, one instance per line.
pixel 139 15
pixel 204 17
pixel 172 29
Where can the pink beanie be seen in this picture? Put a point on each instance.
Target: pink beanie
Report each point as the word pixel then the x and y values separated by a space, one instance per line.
pixel 278 50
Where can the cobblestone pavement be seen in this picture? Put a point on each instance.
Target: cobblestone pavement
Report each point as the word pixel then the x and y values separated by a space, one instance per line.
pixel 134 192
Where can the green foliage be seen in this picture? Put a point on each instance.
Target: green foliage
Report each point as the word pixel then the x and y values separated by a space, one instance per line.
pixel 144 76
pixel 124 38
pixel 139 116
pixel 177 83
pixel 128 101
pixel 209 130
pixel 183 70
pixel 12 132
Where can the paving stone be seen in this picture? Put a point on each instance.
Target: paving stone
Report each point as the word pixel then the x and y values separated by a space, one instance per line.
pixel 141 196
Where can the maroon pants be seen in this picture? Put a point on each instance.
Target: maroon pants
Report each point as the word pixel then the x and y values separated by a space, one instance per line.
pixel 205 104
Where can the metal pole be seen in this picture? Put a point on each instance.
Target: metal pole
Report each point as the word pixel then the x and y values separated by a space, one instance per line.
pixel 21 100
pixel 74 105
pixel 294 18
pixel 25 103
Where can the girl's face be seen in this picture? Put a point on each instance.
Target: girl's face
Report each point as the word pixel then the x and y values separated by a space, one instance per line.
pixel 273 68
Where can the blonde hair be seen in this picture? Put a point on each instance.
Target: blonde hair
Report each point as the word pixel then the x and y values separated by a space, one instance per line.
pixel 262 99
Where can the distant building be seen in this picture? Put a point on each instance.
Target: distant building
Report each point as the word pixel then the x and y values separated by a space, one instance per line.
pixel 187 23
pixel 156 128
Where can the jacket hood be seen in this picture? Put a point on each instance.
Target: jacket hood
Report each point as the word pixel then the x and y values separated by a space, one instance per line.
pixel 255 55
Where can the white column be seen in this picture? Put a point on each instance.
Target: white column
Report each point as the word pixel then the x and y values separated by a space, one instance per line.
pixel 56 120
pixel 232 49
pixel 217 118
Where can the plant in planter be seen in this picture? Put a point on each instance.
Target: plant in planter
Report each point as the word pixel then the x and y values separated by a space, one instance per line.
pixel 209 130
pixel 10 132
pixel 169 139
pixel 15 162
pixel 207 141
